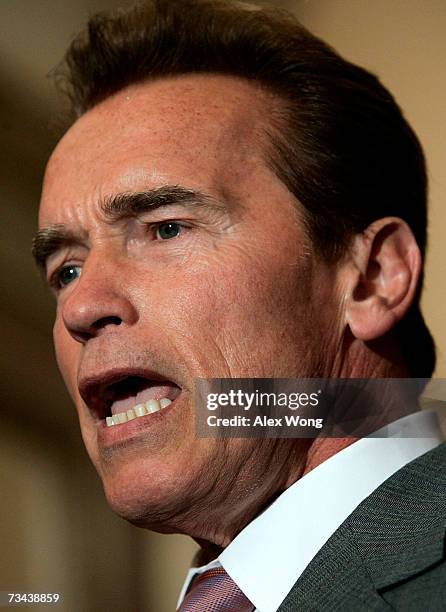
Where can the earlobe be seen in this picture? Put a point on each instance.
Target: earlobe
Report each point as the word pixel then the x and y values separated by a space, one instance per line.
pixel 383 279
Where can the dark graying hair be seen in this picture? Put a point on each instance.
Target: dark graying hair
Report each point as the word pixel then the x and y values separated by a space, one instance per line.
pixel 343 148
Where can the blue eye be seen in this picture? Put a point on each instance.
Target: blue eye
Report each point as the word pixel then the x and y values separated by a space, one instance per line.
pixel 168 230
pixel 67 274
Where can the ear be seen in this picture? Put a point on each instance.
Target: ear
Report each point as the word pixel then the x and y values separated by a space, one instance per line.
pixel 384 277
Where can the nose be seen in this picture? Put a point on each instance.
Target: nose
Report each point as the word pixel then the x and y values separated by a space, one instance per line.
pixel 98 301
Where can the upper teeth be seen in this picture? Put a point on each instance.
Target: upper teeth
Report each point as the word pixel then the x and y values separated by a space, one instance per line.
pixel 139 410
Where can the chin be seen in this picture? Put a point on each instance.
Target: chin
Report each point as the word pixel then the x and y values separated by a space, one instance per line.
pixel 147 496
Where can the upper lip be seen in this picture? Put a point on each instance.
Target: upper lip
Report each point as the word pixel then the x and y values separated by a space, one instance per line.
pixel 97 390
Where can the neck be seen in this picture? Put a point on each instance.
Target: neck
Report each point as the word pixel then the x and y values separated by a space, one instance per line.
pixel 358 360
pixel 378 359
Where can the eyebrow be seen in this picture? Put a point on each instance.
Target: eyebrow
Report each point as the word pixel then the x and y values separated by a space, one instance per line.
pixel 51 239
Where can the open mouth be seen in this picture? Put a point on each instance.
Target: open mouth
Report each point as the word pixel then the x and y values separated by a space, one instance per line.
pixel 120 397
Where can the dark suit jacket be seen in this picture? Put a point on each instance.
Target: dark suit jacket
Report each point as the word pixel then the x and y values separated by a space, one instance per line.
pixel 389 554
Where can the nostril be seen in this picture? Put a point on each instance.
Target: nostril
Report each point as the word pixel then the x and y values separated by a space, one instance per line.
pixel 83 336
pixel 104 321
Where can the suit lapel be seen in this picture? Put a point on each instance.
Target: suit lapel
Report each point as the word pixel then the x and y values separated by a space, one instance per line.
pixel 336 579
pixel 393 535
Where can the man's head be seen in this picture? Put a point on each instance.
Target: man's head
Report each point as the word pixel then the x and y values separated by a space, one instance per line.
pixel 233 200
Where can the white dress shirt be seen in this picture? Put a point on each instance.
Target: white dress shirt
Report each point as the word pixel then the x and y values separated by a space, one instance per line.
pixel 270 553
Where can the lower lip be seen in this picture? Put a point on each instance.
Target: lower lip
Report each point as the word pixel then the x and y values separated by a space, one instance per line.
pixel 108 436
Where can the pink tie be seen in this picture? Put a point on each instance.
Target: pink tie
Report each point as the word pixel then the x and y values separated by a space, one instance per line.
pixel 215 591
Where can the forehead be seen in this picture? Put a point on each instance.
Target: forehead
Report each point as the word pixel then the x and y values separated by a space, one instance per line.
pixel 195 130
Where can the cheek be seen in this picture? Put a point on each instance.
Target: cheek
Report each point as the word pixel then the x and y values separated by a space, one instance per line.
pixel 260 289
pixel 234 311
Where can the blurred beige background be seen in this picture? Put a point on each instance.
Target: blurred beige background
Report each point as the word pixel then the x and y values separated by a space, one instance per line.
pixel 56 532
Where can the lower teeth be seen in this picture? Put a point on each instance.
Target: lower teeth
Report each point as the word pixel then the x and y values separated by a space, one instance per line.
pixel 138 411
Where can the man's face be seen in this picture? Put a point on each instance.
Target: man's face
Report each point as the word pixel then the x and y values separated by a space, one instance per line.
pixel 215 283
